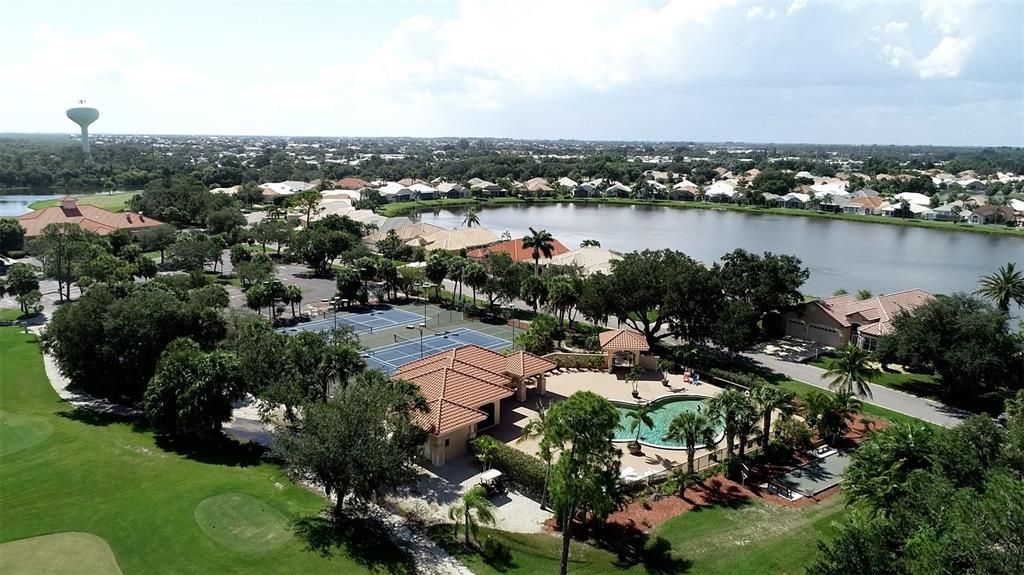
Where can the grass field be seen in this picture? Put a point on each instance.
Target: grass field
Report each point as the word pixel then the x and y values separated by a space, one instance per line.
pixel 802 389
pixel 113 202
pixel 401 208
pixel 58 554
pixel 730 539
pixel 215 511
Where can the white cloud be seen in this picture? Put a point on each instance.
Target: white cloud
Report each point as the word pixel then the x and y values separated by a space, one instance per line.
pixel 947 16
pixel 895 27
pixel 947 59
pixel 796 6
pixel 897 56
pixel 761 12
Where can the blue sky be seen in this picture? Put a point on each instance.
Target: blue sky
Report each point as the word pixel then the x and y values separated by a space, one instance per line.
pixel 842 71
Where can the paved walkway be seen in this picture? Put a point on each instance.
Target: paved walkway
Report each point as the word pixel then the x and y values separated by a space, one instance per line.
pixel 921 408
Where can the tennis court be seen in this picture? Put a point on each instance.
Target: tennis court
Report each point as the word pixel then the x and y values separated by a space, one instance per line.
pixel 362 321
pixel 812 478
pixel 389 358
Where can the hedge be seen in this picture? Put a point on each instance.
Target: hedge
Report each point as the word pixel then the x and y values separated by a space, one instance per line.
pixel 578 360
pixel 523 471
pixel 745 379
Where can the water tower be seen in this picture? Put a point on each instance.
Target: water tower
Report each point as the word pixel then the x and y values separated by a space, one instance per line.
pixel 83 116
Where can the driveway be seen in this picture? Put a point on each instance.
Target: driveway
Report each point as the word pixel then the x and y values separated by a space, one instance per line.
pixel 440 487
pixel 921 408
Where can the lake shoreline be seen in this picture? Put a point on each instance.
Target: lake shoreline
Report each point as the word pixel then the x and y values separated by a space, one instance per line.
pixel 405 208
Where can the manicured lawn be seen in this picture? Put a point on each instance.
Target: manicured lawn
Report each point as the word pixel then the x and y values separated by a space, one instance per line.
pixel 218 511
pixel 224 279
pixel 9 314
pixel 802 389
pixel 113 202
pixel 920 384
pixel 739 539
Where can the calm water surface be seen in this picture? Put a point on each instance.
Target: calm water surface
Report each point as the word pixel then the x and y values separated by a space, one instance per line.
pixel 839 254
pixel 14 203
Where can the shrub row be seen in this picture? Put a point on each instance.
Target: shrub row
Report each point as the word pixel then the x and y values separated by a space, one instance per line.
pixel 523 471
pixel 578 361
pixel 745 379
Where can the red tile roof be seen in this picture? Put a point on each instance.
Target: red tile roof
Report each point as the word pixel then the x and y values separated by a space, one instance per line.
pixel 515 249
pixel 872 202
pixel 874 315
pixel 350 183
pixel 623 340
pixel 88 217
pixel 457 382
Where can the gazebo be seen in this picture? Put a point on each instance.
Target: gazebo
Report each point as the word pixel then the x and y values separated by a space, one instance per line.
pixel 623 347
pixel 522 367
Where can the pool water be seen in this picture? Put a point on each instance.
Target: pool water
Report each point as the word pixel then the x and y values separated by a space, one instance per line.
pixel 663 411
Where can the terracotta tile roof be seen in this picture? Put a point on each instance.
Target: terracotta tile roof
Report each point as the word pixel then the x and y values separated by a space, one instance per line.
pixel 407 233
pixel 88 217
pixel 457 382
pixel 350 183
pixel 623 340
pixel 458 239
pixel 524 364
pixel 515 249
pixel 874 315
pixel 443 416
pixel 872 202
pixel 445 387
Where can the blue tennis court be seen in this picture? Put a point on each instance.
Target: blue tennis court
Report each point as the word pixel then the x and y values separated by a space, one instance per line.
pixel 389 358
pixel 361 322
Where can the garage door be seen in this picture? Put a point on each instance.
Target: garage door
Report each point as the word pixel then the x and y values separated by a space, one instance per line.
pixel 823 335
pixel 813 332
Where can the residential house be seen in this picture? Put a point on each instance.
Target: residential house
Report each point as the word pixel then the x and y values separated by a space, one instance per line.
pixel 538 186
pixel 585 191
pixel 273 189
pixel 864 193
pixel 226 191
pixel 833 203
pixel 90 218
pixel 515 249
pixel 457 239
pixel 452 191
pixel 992 214
pixel 770 199
pixel 350 183
pixel 720 191
pixel 422 191
pixel 912 198
pixel 567 183
pixel 618 190
pixel 840 320
pixel 864 205
pixel 464 388
pixel 952 212
pixel 590 259
pixel 658 175
pixel 794 200
pixel 412 233
pixel 395 192
pixel 684 190
pixel 913 210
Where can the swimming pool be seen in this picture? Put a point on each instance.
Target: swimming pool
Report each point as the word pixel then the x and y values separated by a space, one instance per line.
pixel 663 411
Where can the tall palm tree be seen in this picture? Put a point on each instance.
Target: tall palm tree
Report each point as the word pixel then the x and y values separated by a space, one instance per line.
pixel 471 218
pixel 770 398
pixel 474 508
pixel 541 243
pixel 1003 287
pixel 692 428
pixel 535 430
pixel 590 243
pixel 850 371
pixel 729 407
pixel 292 296
pixel 638 418
pixel 746 423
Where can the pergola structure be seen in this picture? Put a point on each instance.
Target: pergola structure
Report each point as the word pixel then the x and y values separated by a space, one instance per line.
pixel 623 347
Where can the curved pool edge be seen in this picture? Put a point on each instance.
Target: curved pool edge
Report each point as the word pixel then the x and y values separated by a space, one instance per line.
pixel 621 403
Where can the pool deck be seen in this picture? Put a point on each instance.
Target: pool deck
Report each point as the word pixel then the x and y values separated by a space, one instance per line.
pixel 515 415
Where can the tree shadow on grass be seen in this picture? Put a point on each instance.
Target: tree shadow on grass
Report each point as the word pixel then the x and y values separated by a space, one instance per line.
pixel 632 546
pixel 215 451
pixel 96 418
pixel 365 541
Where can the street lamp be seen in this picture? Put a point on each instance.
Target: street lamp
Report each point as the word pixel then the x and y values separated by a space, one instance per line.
pixel 422 326
pixel 512 322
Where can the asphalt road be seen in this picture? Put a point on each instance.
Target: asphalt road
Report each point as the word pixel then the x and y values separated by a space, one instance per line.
pixel 911 405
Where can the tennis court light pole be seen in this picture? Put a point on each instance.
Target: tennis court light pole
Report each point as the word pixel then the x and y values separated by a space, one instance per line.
pixel 422 325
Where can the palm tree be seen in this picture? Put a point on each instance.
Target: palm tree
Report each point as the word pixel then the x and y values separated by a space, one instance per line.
pixel 692 428
pixel 746 423
pixel 638 418
pixel 590 243
pixel 292 296
pixel 474 508
pixel 768 399
pixel 471 218
pixel 1003 287
pixel 729 407
pixel 850 371
pixel 535 430
pixel 843 407
pixel 633 378
pixel 541 243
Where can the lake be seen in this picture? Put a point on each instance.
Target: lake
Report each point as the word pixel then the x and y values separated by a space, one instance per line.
pixel 839 254
pixel 14 203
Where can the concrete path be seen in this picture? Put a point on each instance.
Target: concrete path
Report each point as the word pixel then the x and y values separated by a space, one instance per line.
pixel 905 403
